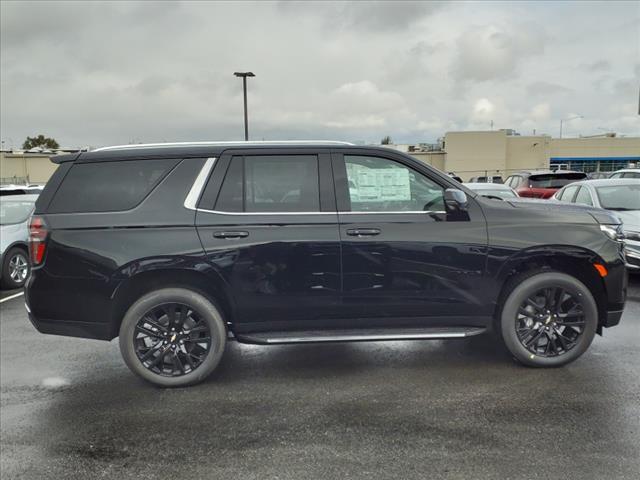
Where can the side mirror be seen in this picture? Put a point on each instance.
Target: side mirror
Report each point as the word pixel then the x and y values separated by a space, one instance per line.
pixel 455 200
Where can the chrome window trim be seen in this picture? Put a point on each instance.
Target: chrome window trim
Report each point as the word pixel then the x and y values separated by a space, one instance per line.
pixel 191 201
pixel 413 212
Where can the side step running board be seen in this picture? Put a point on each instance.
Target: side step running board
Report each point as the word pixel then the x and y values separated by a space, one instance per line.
pixel 364 335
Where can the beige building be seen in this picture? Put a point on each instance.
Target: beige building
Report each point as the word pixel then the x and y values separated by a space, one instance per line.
pixel 25 167
pixel 502 152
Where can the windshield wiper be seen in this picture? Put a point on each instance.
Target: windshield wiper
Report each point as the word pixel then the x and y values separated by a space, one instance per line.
pixel 620 209
pixel 493 197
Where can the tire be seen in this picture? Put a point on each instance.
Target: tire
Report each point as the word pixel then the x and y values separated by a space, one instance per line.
pixel 196 307
pixel 15 268
pixel 514 325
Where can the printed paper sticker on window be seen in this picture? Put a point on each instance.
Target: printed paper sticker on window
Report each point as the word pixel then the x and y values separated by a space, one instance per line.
pixel 378 184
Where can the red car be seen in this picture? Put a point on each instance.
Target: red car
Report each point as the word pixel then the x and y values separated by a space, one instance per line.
pixel 541 184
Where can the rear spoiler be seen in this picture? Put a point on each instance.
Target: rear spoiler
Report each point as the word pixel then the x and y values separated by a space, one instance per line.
pixel 70 157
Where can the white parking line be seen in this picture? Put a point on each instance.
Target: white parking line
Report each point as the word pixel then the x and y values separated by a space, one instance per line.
pixel 15 295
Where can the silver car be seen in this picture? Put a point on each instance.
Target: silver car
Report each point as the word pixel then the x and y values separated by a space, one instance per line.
pixel 621 195
pixel 15 211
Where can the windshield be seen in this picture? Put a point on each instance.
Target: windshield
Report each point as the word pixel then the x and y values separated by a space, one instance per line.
pixel 15 211
pixel 620 197
pixel 555 180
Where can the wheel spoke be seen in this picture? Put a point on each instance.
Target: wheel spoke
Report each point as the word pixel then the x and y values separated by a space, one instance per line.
pixel 533 338
pixel 159 358
pixel 178 363
pixel 155 324
pixel 146 331
pixel 151 351
pixel 558 300
pixel 532 303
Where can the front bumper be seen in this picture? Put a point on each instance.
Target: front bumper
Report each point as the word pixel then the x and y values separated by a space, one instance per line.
pixel 632 255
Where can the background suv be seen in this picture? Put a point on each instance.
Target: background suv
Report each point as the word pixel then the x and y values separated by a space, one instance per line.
pixel 539 184
pixel 178 248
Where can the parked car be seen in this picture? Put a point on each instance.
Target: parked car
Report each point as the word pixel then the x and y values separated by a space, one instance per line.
pixel 14 239
pixel 492 190
pixel 489 179
pixel 598 175
pixel 20 189
pixel 541 184
pixel 626 173
pixel 455 177
pixel 179 248
pixel 620 195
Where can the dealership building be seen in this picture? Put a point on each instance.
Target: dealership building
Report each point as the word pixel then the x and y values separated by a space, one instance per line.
pixel 468 154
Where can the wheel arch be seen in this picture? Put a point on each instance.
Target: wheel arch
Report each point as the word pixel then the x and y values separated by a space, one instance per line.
pixel 210 285
pixel 571 260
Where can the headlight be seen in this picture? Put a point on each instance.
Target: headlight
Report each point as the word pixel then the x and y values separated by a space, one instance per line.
pixel 614 232
pixel 632 236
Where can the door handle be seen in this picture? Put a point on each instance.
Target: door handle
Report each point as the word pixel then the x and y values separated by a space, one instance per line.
pixel 230 234
pixel 363 232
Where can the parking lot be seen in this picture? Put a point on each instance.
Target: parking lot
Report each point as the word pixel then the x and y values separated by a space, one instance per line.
pixel 439 409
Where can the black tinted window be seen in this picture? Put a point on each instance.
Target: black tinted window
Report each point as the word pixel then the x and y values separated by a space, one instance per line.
pixel 108 186
pixel 230 196
pixel 271 183
pixel 555 180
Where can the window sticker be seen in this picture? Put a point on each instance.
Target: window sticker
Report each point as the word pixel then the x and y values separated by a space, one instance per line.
pixel 378 184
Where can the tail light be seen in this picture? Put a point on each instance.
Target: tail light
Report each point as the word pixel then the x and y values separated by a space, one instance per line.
pixel 38 233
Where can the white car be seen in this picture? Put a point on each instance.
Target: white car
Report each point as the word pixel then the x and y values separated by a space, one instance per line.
pixel 626 173
pixel 621 195
pixel 15 211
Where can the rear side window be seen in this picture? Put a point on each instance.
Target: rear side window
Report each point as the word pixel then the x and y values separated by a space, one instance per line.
pixel 109 186
pixel 584 197
pixel 569 192
pixel 271 183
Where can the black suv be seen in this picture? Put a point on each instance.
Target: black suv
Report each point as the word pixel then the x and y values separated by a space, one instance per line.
pixel 179 248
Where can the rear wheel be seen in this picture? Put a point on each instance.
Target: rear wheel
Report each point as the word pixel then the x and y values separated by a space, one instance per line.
pixel 549 319
pixel 15 268
pixel 172 337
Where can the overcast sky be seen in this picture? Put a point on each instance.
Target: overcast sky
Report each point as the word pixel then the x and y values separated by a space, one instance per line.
pixel 110 73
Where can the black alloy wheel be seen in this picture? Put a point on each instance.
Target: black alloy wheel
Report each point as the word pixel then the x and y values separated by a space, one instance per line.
pixel 550 322
pixel 172 339
pixel 548 318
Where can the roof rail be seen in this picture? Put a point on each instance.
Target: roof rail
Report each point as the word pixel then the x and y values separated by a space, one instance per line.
pixel 213 144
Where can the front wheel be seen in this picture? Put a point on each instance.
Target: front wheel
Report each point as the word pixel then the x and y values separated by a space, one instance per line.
pixel 172 337
pixel 549 319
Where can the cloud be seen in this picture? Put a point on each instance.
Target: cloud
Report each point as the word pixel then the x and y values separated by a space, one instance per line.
pixel 96 73
pixel 546 89
pixel 493 51
pixel 597 66
pixel 370 17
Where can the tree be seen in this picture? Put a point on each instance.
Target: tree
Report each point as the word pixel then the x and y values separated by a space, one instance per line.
pixel 40 141
pixel 386 140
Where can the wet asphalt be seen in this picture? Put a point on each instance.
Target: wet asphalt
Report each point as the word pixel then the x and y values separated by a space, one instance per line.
pixel 433 409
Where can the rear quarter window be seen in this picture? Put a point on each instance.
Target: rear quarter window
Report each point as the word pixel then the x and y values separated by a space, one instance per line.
pixel 109 186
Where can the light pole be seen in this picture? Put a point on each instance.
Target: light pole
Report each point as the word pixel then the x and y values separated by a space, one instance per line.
pixel 568 120
pixel 244 76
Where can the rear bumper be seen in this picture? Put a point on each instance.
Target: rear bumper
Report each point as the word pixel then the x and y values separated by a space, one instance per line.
pixel 71 329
